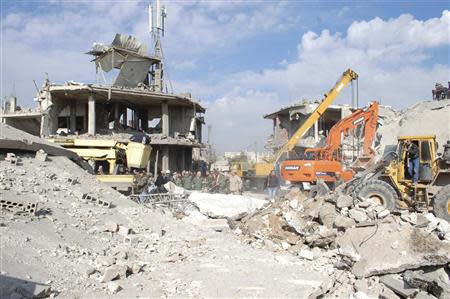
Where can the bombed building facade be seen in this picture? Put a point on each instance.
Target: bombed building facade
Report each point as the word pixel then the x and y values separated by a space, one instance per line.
pixel 134 102
pixel 288 119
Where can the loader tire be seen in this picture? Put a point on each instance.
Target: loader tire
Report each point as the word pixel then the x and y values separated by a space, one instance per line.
pixel 441 203
pixel 380 192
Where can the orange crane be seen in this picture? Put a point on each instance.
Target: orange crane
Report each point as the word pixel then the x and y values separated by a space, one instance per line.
pixel 327 163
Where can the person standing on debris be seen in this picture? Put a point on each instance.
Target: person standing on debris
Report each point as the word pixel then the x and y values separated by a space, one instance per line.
pixel 177 179
pixel 235 183
pixel 159 182
pixel 140 184
pixel 208 182
pixel 167 177
pixel 197 181
pixel 223 182
pixel 272 184
pixel 140 181
pixel 413 163
pixel 187 181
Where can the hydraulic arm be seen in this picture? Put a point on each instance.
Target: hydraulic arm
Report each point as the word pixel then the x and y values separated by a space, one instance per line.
pixel 363 118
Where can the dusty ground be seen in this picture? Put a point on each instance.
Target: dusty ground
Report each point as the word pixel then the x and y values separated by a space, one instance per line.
pixel 179 259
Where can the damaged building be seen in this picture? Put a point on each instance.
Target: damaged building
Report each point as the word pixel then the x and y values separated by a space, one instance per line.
pixel 134 102
pixel 288 119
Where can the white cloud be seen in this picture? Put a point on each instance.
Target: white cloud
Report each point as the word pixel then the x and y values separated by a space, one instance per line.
pixel 390 56
pixel 184 65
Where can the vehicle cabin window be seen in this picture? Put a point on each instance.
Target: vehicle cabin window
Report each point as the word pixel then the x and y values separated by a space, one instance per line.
pixel 400 149
pixel 425 151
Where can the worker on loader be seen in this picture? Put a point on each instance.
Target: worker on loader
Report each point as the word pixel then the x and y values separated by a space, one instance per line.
pixel 413 160
pixel 235 183
pixel 272 184
pixel 197 181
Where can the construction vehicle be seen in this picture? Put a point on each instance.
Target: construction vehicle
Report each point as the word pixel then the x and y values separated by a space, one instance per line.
pixel 389 184
pixel 262 169
pixel 111 160
pixel 327 163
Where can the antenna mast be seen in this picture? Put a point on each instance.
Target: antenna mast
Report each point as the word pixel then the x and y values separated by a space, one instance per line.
pixel 157 15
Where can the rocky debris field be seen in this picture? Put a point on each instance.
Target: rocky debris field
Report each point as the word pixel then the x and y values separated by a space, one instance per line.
pixel 77 248
pixel 83 239
pixel 364 250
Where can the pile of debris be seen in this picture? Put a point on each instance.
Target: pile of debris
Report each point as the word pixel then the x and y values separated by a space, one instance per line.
pixel 424 118
pixel 366 250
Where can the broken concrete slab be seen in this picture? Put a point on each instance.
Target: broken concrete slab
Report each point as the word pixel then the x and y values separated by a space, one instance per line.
pixel 416 248
pixel 398 286
pixel 225 205
pixel 327 214
pixel 344 201
pixel 114 272
pixel 113 287
pixel 12 138
pixel 434 282
pixel 357 215
pixel 343 222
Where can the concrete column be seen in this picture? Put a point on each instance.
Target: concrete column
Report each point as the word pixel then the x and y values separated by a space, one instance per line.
pixel 73 118
pixel 125 117
pixel 144 119
pixel 136 119
pixel 165 158
pixel 183 158
pixel 91 115
pixel 116 115
pixel 165 118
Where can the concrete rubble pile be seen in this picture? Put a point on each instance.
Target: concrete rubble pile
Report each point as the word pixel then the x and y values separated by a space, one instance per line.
pixel 366 251
pixel 424 118
pixel 71 246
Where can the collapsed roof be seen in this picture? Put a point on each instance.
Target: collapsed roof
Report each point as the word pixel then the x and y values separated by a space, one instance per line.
pixel 127 54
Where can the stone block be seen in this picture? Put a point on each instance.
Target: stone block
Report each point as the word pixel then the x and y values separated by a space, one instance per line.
pixel 416 248
pixel 344 201
pixel 357 215
pixel 41 155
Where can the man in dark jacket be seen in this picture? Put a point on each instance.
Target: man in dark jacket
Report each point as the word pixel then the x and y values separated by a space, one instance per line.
pixel 413 163
pixel 272 184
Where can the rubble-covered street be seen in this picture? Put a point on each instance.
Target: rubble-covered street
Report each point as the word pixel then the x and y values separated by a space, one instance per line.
pixel 74 248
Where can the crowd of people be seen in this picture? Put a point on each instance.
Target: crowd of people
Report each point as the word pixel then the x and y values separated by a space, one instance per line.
pixel 215 182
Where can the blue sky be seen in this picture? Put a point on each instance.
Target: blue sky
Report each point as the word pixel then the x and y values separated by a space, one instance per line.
pixel 241 59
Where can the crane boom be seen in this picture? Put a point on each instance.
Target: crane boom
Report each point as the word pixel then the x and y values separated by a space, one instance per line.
pixel 347 77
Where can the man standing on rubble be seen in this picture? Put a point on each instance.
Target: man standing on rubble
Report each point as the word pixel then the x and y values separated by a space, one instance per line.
pixel 208 182
pixel 187 180
pixel 177 179
pixel 272 184
pixel 223 182
pixel 413 163
pixel 197 181
pixel 235 183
